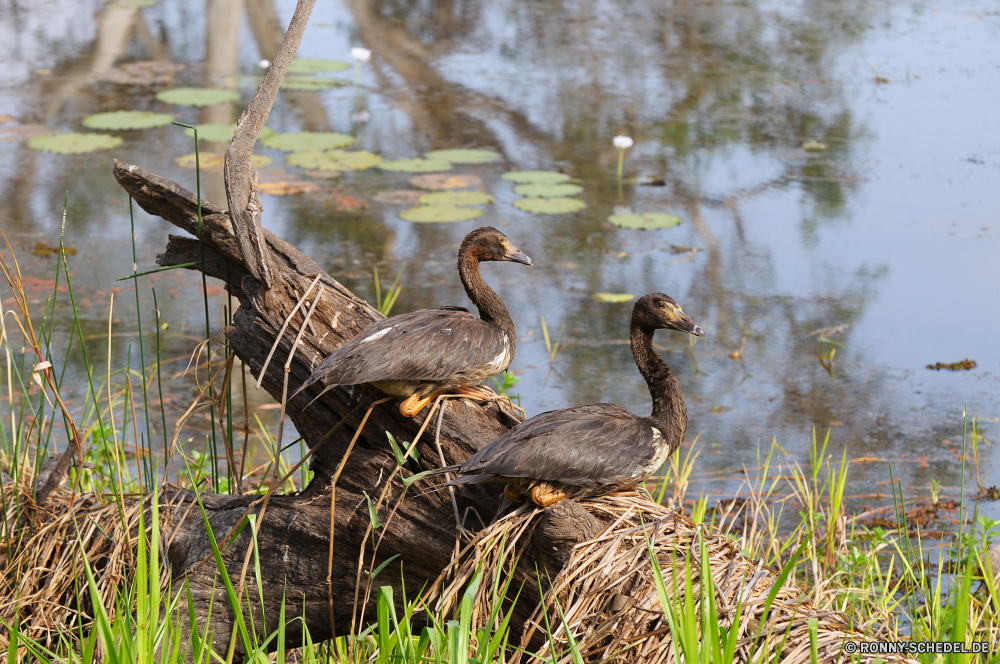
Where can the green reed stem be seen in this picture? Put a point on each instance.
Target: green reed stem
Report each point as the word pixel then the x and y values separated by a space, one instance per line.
pixel 83 344
pixel 204 293
pixel 142 353
pixel 621 163
pixel 168 268
pixel 159 380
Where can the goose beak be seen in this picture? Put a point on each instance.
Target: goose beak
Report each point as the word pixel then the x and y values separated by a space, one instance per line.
pixel 685 324
pixel 517 256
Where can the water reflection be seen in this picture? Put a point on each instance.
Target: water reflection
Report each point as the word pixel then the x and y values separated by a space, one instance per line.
pixel 720 99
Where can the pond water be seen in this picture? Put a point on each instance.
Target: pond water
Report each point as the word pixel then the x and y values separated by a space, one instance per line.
pixel 882 246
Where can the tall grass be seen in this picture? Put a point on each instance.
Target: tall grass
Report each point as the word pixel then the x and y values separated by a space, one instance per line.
pixel 795 517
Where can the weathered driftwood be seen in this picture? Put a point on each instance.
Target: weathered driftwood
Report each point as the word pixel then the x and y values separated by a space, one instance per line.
pixel 240 178
pixel 295 534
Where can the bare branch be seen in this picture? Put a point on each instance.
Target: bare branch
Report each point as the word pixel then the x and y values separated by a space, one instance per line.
pixel 241 180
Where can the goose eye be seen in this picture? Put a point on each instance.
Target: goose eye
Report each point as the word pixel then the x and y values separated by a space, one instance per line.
pixel 661 305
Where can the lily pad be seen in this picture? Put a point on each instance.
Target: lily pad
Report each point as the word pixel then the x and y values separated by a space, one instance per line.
pixel 535 177
pixel 334 160
pixel 440 213
pixel 416 165
pixel 197 96
pixel 815 146
pixel 549 205
pixel 211 160
pixel 307 140
pixel 118 120
pixel 73 143
pixel 464 156
pixel 445 181
pixel 548 190
pixel 315 66
pixel 460 198
pixel 649 221
pixel 222 133
pixel 216 133
pixel 614 297
pixel 312 83
pixel 323 175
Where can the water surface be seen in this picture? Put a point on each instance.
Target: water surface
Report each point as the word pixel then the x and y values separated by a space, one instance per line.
pixel 886 239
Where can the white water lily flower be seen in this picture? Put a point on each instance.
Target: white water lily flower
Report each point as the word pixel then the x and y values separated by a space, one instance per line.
pixel 264 64
pixel 360 54
pixel 622 142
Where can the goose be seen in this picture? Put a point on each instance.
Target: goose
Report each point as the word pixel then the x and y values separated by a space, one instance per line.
pixel 596 449
pixel 446 350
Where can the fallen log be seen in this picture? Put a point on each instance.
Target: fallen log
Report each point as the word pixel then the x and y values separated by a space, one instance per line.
pixel 294 536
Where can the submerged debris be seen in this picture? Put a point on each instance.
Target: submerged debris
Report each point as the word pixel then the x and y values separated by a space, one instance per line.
pixel 146 72
pixel 964 365
pixel 46 250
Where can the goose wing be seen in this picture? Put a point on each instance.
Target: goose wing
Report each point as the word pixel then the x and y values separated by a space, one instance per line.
pixel 585 446
pixel 438 344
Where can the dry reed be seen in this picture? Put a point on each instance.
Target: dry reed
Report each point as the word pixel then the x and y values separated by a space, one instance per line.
pixel 606 593
pixel 43 584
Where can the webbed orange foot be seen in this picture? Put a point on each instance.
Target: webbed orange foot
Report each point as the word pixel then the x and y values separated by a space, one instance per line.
pixel 413 404
pixel 545 495
pixel 513 495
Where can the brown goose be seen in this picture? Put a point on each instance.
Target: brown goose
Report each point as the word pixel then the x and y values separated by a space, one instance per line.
pixel 429 352
pixel 595 449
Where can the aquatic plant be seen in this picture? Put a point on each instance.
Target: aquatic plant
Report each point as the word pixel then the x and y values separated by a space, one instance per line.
pixel 622 143
pixel 122 120
pixel 556 205
pixel 74 143
pixel 647 221
pixel 197 96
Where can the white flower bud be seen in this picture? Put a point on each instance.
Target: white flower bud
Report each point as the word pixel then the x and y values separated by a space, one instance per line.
pixel 360 54
pixel 622 142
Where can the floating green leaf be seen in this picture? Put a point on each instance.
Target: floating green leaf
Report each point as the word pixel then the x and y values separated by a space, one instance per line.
pixel 440 213
pixel 535 177
pixel 120 120
pixel 549 205
pixel 217 133
pixel 307 140
pixel 73 143
pixel 547 190
pixel 649 221
pixel 333 160
pixel 222 133
pixel 416 165
pixel 315 66
pixel 815 146
pixel 311 83
pixel 464 156
pixel 459 198
pixel 197 96
pixel 614 297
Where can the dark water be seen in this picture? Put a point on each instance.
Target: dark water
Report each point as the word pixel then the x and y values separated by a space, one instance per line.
pixel 889 236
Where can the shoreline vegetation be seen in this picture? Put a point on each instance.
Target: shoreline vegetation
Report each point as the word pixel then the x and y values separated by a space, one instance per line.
pixel 118 548
pixel 87 572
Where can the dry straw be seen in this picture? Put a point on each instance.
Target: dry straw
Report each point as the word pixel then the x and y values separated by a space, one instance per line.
pixel 607 594
pixel 43 584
